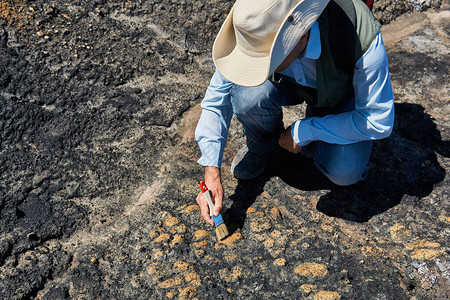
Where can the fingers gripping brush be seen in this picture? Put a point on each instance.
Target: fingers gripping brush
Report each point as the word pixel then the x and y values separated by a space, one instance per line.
pixel 221 228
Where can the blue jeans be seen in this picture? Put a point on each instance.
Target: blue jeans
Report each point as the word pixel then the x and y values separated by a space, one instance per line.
pixel 259 110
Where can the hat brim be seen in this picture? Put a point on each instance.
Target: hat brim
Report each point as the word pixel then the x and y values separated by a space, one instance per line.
pixel 253 70
pixel 234 64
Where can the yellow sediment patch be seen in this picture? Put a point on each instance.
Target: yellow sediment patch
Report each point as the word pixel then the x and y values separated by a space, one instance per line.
pixel 193 278
pixel 182 207
pixel 259 214
pixel 157 253
pixel 327 295
pixel 275 213
pixel 9 14
pixel 231 257
pixel 399 232
pixel 427 254
pixel 344 277
pixel 311 270
pixel 311 234
pixel 191 208
pixel 257 226
pixel 231 275
pixel 269 243
pixel 279 262
pixel 444 219
pixel 199 253
pixel 171 221
pixel 279 237
pixel 372 250
pixel 188 293
pixel 179 229
pixel 171 282
pixel 162 238
pixel 200 234
pixel 327 227
pixel 177 239
pixel 266 195
pixel 308 288
pixel 251 210
pixel 276 234
pixel 426 250
pixel 294 242
pixel 229 241
pixel 180 266
pixel 423 244
pixel 209 257
pixel 278 252
pixel 153 234
pixel 201 244
pixel 135 283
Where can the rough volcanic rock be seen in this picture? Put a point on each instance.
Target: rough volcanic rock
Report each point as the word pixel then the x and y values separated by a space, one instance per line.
pixel 388 10
pixel 98 175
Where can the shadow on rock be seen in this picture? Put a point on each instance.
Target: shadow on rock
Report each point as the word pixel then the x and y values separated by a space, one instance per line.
pixel 404 166
pixel 244 196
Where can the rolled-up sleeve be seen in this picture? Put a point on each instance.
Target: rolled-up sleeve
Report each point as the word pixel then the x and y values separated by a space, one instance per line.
pixel 373 116
pixel 212 128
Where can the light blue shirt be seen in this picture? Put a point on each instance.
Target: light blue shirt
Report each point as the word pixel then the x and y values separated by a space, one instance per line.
pixel 372 118
pixel 303 69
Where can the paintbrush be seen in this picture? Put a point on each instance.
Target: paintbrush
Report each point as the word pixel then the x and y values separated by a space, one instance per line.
pixel 221 228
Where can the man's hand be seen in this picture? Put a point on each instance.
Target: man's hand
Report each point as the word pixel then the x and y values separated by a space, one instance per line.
pixel 287 142
pixel 212 181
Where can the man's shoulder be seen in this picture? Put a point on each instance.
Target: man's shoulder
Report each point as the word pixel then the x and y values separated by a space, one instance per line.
pixel 343 22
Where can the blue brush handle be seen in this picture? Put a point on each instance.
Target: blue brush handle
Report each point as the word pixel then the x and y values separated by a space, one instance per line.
pixel 218 220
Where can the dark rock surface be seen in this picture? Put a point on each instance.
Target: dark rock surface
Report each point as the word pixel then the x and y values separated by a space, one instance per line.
pixel 98 179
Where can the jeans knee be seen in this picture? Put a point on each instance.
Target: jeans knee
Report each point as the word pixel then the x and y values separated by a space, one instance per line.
pixel 254 100
pixel 343 164
pixel 347 176
pixel 245 107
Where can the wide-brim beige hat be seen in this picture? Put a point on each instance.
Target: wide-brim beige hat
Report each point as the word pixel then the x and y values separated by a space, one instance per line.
pixel 258 35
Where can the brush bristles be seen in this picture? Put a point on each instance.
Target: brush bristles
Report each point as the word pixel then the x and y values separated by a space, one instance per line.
pixel 221 231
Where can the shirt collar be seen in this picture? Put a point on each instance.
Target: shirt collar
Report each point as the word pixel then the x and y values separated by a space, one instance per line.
pixel 313 49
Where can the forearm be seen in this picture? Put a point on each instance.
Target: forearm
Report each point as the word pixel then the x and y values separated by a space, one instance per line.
pixel 212 128
pixel 212 174
pixel 212 132
pixel 345 128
